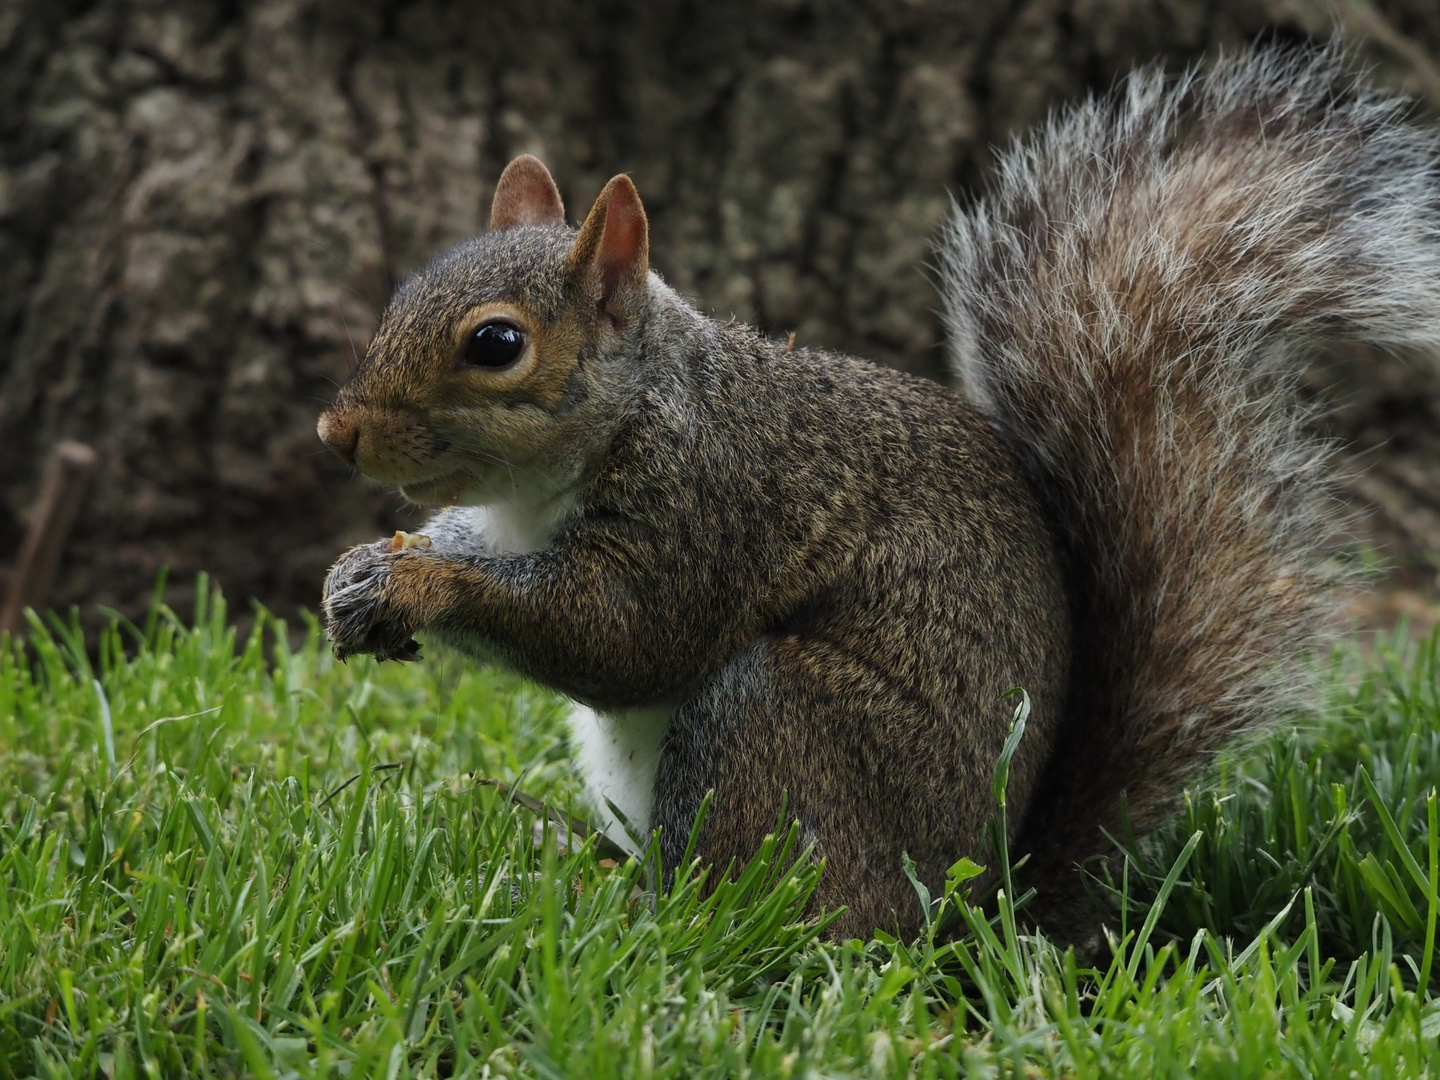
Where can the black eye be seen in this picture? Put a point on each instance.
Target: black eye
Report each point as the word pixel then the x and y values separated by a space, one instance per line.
pixel 495 345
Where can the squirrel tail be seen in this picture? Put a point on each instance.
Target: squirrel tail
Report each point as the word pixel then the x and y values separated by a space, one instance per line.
pixel 1127 307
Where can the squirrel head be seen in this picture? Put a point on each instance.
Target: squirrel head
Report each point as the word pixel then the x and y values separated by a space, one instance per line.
pixel 491 363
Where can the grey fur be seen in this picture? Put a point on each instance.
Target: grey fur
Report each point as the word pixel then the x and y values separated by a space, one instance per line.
pixel 1128 307
pixel 832 571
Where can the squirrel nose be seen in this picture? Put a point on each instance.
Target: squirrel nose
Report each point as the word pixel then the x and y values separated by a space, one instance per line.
pixel 340 434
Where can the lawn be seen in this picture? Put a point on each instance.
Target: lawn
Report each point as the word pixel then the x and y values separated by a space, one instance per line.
pixel 225 856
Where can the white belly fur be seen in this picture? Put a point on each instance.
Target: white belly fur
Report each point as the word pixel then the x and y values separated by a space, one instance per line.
pixel 616 754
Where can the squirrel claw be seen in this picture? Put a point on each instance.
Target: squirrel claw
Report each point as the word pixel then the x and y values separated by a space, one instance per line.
pixel 356 616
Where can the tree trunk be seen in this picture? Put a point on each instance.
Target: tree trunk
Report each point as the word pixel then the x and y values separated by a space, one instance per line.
pixel 204 205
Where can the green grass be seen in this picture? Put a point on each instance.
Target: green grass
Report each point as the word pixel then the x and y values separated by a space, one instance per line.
pixel 225 857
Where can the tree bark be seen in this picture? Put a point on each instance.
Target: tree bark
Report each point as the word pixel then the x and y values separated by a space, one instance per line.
pixel 204 205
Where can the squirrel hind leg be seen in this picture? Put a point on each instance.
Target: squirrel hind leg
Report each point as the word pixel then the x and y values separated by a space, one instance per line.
pixel 756 736
pixel 790 727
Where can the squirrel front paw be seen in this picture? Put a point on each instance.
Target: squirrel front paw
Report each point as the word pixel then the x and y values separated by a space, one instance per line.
pixel 359 617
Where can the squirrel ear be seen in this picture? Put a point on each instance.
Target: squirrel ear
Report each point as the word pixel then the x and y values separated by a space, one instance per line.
pixel 526 195
pixel 615 240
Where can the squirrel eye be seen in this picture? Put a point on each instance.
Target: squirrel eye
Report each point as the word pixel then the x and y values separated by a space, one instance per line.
pixel 495 345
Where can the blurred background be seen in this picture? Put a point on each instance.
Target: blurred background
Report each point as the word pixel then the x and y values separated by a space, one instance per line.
pixel 204 205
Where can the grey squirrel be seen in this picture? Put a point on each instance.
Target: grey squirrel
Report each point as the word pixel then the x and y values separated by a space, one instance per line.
pixel 782 574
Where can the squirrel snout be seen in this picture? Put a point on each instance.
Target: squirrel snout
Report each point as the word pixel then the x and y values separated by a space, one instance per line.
pixel 340 434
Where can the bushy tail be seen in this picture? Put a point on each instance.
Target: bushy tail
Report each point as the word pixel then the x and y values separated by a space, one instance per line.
pixel 1127 307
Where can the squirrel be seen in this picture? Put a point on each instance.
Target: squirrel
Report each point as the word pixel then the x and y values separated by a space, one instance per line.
pixel 798 579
